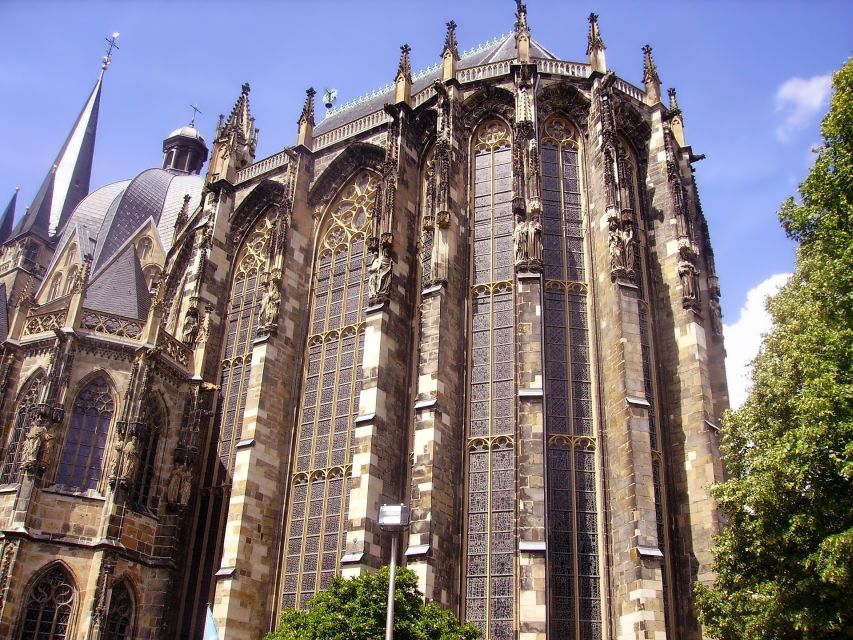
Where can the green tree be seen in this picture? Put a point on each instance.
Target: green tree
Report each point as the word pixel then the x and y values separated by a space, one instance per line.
pixel 785 563
pixel 355 609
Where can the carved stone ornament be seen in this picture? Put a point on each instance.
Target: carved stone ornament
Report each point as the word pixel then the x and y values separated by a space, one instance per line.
pixel 179 489
pixel 443 219
pixel 716 319
pixel 527 244
pixel 688 275
pixel 270 304
pixel 621 249
pixel 190 328
pixel 379 277
pixel 38 446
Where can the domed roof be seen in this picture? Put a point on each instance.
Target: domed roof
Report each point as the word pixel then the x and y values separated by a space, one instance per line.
pixel 187 132
pixel 111 215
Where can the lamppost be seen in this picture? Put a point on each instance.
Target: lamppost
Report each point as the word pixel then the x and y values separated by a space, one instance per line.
pixel 393 518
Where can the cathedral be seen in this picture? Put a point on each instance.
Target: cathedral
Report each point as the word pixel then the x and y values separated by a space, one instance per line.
pixel 485 291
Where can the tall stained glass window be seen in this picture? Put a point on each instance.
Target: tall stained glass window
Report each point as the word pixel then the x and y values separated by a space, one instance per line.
pixel 332 379
pixel 155 423
pixel 27 401
pixel 573 545
pixel 81 464
pixel 241 325
pixel 49 608
pixel 490 543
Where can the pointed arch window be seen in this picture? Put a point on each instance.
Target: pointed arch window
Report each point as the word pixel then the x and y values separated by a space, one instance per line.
pixel 51 603
pixel 27 401
pixel 331 386
pixel 155 421
pixel 144 248
pixel 55 287
pixel 574 609
pixel 71 256
pixel 491 449
pixel 80 466
pixel 241 326
pixel 120 616
pixel 69 280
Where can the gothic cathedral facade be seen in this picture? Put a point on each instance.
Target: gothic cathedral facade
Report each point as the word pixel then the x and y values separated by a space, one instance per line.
pixel 487 293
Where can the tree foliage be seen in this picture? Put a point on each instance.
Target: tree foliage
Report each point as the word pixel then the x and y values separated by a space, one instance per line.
pixel 355 609
pixel 785 563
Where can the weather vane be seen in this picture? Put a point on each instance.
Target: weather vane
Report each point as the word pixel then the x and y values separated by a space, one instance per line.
pixel 196 111
pixel 108 57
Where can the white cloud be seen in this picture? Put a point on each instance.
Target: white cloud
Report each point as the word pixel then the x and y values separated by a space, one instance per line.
pixel 799 100
pixel 743 338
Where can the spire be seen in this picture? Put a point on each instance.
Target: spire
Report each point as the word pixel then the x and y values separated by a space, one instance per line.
pixel 676 122
pixel 235 142
pixel 522 32
pixel 67 182
pixel 650 76
pixel 304 136
pixel 595 45
pixel 8 218
pixel 403 80
pixel 450 53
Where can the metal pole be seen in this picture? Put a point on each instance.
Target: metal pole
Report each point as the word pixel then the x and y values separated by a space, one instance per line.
pixel 392 578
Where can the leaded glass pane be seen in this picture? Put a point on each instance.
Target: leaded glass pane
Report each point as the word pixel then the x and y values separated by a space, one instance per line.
pixel 49 607
pixel 81 463
pixel 11 470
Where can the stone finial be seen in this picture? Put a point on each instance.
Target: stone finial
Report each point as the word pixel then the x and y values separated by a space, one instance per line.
pixel 305 132
pixel 451 48
pixel 650 76
pixel 450 53
pixel 595 45
pixel 676 123
pixel 236 141
pixel 403 81
pixel 522 32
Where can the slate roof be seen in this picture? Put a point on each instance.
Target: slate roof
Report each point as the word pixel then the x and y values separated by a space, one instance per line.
pixel 120 288
pixel 503 50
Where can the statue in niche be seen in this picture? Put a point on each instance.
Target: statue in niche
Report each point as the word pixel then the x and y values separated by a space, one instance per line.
pixel 716 318
pixel 615 248
pixel 114 463
pixel 190 331
pixel 270 303
pixel 519 240
pixel 129 460
pixel 627 244
pixel 34 444
pixel 534 240
pixel 186 485
pixel 379 280
pixel 180 485
pixel 689 285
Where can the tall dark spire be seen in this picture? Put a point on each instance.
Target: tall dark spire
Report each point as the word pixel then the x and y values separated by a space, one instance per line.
pixel 67 182
pixel 8 218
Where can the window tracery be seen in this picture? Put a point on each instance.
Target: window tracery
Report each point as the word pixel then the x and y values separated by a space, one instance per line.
pixel 332 380
pixel 82 457
pixel 573 542
pixel 155 422
pixel 70 280
pixel 119 623
pixel 50 606
pixel 241 324
pixel 27 402
pixel 55 287
pixel 490 463
pixel 71 256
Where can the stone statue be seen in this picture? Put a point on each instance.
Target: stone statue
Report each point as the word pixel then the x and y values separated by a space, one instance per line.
pixel 129 460
pixel 173 490
pixel 190 327
pixel 114 463
pixel 534 240
pixel 33 444
pixel 689 289
pixel 716 317
pixel 270 303
pixel 519 240
pixel 379 281
pixel 186 485
pixel 628 252
pixel 615 248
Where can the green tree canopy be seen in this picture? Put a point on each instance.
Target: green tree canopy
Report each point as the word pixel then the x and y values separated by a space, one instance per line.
pixel 355 609
pixel 785 563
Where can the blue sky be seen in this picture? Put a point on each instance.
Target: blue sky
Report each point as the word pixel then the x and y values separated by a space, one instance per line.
pixel 751 79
